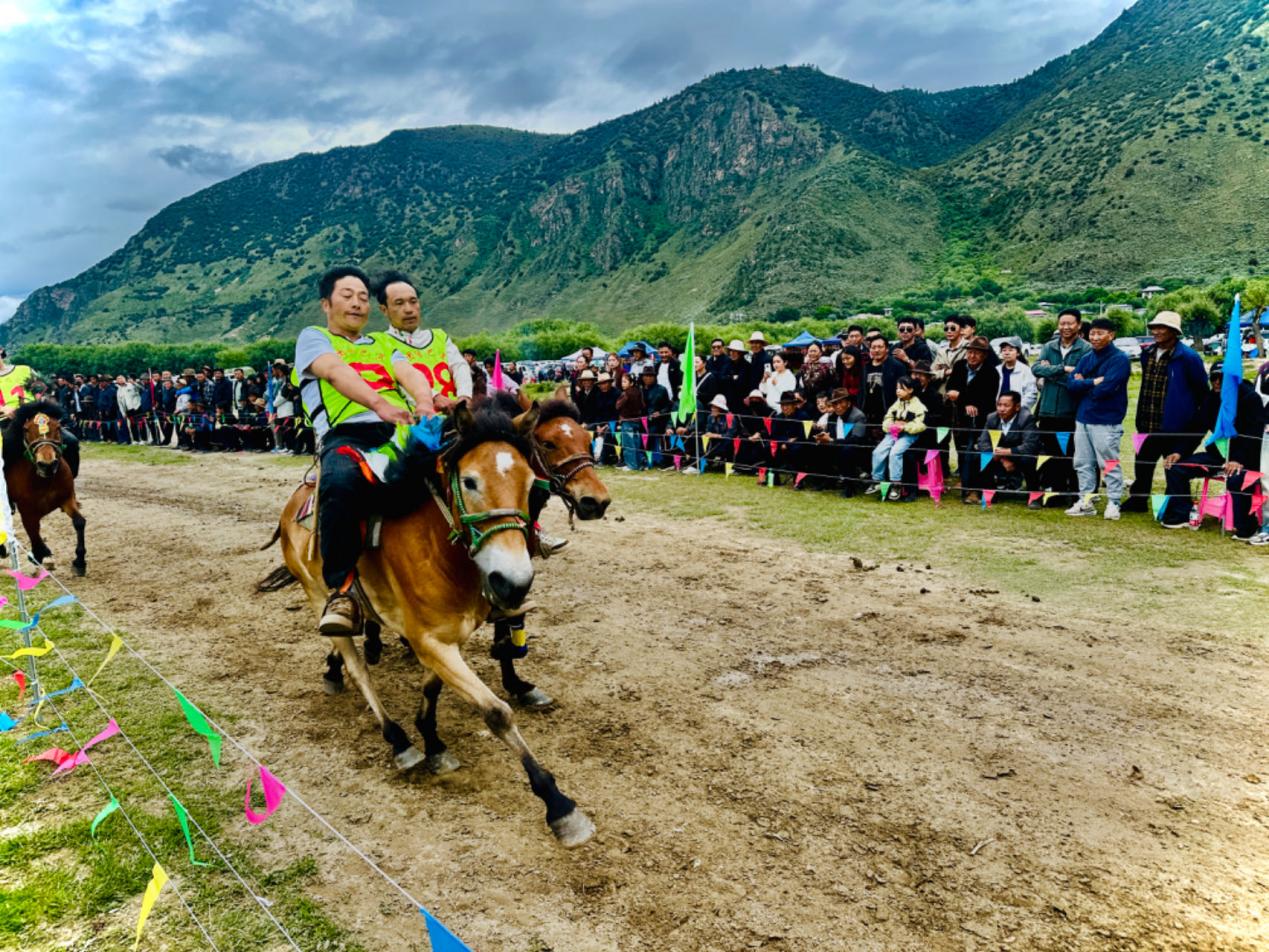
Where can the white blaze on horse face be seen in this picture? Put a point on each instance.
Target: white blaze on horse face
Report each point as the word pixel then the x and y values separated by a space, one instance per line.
pixel 566 429
pixel 504 461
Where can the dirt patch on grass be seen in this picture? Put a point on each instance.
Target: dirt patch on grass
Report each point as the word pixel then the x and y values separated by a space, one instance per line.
pixel 780 749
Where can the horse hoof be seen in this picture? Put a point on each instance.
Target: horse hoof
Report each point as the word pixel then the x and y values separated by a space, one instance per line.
pixel 573 829
pixel 408 759
pixel 332 687
pixel 81 568
pixel 373 650
pixel 534 700
pixel 49 564
pixel 442 763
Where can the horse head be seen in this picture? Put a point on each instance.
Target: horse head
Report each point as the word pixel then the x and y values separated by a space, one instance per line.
pixel 41 426
pixel 566 453
pixel 489 476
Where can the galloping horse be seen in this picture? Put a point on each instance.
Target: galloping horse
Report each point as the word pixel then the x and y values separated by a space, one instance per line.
pixel 40 479
pixel 435 576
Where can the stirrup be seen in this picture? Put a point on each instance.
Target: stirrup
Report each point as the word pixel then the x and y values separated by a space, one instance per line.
pixel 337 624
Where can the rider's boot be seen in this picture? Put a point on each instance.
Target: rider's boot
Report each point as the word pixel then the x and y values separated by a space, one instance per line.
pixel 342 615
pixel 548 545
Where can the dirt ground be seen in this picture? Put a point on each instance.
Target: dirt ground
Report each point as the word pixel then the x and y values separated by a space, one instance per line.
pixel 780 749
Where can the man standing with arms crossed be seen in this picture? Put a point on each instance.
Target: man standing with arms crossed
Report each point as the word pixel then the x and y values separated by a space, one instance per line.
pixel 354 392
pixel 1055 411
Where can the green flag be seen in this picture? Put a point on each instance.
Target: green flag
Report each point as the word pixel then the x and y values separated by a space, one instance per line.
pixel 687 397
pixel 182 817
pixel 200 725
pixel 108 809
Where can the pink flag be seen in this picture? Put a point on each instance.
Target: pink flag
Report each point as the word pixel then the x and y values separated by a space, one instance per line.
pixel 81 756
pixel 20 677
pixel 932 479
pixel 274 790
pixel 766 421
pixel 496 380
pixel 1249 477
pixel 730 419
pixel 895 431
pixel 1111 465
pixel 762 474
pixel 54 755
pixel 797 480
pixel 644 421
pixel 1032 497
pixel 931 456
pixel 988 496
pixel 644 437
pixel 27 582
pixel 1137 440
pixel 678 461
pixel 735 445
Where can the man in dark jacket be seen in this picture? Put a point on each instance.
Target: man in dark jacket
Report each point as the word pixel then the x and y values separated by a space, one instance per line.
pixel 842 447
pixel 108 409
pixel 1173 391
pixel 738 377
pixel 971 393
pixel 877 390
pixel 911 346
pixel 717 358
pixel 222 393
pixel 1243 457
pixel 1055 410
pixel 656 402
pixel 1100 383
pixel 1011 437
pixel 788 437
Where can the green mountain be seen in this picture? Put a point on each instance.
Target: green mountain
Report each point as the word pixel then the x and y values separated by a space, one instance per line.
pixel 1140 155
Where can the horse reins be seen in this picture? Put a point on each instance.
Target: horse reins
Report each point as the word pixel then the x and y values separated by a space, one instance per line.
pixel 558 476
pixel 466 524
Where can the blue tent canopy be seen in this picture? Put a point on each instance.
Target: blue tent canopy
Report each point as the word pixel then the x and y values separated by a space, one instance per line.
pixel 627 348
pixel 1264 320
pixel 805 339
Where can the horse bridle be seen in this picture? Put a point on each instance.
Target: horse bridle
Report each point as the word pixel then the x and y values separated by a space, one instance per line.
pixel 559 476
pixel 465 528
pixel 30 448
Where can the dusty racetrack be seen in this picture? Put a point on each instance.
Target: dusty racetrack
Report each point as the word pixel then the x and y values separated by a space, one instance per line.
pixel 769 763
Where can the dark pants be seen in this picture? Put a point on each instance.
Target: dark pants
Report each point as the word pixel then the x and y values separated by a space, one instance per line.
pixel 346 497
pixel 1210 463
pixel 1058 473
pixel 975 476
pixel 1153 449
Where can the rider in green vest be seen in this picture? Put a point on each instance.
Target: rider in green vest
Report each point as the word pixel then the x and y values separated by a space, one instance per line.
pixel 355 393
pixel 431 351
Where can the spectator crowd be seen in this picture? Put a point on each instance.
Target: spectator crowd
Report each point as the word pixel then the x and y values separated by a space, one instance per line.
pixel 858 415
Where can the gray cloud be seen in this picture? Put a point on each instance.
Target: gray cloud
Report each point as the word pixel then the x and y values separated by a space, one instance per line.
pixel 199 161
pixel 123 107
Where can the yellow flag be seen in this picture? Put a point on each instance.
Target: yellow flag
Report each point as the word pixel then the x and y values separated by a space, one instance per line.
pixel 617 449
pixel 806 429
pixel 1041 460
pixel 727 469
pixel 995 438
pixel 157 880
pixel 707 437
pixel 115 644
pixel 30 652
pixel 1047 497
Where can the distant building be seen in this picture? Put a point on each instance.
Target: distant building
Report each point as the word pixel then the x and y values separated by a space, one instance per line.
pixel 1151 291
pixel 1037 314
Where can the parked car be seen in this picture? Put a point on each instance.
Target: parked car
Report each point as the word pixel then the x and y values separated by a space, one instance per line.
pixel 1130 346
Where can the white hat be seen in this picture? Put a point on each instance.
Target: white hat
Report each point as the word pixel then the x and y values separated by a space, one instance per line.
pixel 1166 319
pixel 719 401
pixel 605 377
pixel 736 345
pixel 757 338
pixel 586 375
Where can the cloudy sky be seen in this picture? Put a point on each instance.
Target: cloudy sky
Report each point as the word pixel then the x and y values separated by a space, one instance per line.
pixel 113 108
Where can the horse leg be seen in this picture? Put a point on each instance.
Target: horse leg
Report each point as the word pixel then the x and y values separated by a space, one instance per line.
pixel 41 554
pixel 439 759
pixel 372 645
pixel 404 753
pixel 333 679
pixel 71 508
pixel 523 693
pixel 569 824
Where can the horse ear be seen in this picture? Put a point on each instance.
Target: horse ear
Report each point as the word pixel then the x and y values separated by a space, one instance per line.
pixel 463 419
pixel 522 398
pixel 527 420
pixel 561 392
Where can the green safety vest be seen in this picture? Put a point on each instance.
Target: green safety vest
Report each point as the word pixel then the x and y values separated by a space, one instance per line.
pixel 372 362
pixel 429 361
pixel 14 384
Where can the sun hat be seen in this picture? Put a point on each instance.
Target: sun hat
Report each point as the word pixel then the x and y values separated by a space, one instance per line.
pixel 841 393
pixel 719 401
pixel 736 345
pixel 604 376
pixel 923 367
pixel 980 343
pixel 1166 319
pixel 586 375
pixel 757 338
pixel 755 393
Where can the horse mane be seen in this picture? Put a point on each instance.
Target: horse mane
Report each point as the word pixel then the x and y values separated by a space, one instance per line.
pixel 490 423
pixel 15 445
pixel 554 409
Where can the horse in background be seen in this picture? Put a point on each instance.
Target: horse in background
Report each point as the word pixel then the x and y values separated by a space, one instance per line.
pixel 41 477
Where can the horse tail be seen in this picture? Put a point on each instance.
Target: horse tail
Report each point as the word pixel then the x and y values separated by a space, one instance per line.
pixel 276 580
pixel 277 534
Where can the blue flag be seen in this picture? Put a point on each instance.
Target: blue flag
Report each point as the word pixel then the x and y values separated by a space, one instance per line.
pixel 441 938
pixel 1232 376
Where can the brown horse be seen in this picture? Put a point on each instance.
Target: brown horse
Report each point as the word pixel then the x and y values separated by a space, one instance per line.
pixel 40 479
pixel 435 576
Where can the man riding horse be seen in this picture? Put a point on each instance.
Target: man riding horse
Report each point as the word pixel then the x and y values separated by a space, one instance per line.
pixel 356 391
pixel 17 385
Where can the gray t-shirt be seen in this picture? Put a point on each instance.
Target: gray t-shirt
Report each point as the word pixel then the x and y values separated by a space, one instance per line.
pixel 310 345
